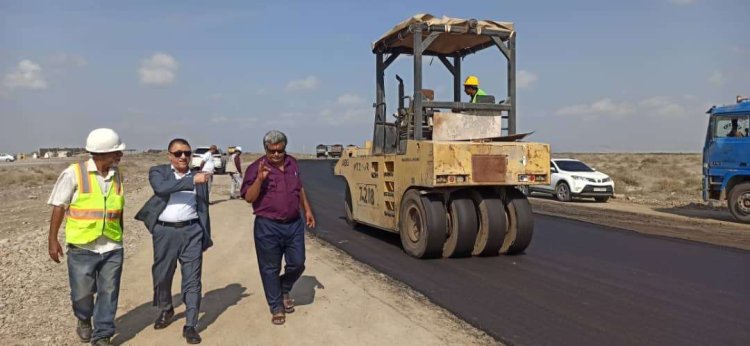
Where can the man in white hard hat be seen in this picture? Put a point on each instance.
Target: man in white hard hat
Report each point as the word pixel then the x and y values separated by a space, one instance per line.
pixel 234 168
pixel 90 196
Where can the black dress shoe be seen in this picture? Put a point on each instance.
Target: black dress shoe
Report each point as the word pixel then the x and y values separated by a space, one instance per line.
pixel 84 330
pixel 191 335
pixel 165 318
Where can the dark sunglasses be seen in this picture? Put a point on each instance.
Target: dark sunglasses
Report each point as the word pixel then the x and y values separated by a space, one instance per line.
pixel 271 152
pixel 179 153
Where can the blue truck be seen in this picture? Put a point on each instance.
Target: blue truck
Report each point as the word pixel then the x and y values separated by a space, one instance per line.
pixel 726 158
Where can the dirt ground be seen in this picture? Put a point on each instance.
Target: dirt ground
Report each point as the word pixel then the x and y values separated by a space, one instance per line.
pixel 346 302
pixel 658 179
pixel 339 300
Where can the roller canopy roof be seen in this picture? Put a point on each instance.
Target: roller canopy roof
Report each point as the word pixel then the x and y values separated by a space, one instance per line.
pixel 458 36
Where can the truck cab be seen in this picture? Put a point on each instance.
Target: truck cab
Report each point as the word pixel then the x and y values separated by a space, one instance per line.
pixel 726 157
pixel 335 150
pixel 321 151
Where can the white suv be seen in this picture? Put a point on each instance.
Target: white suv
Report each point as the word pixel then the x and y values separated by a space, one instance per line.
pixel 7 157
pixel 573 178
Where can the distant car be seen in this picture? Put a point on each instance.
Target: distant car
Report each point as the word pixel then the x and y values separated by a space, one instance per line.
pixel 7 157
pixel 220 160
pixel 573 178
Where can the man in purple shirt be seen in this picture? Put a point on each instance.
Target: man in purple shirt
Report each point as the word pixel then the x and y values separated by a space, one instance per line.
pixel 272 184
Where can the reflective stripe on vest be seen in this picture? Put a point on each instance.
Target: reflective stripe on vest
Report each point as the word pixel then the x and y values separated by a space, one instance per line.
pixel 84 179
pixel 480 92
pixel 94 214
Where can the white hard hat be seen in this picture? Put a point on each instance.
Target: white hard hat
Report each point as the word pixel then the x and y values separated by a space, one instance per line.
pixel 238 148
pixel 104 141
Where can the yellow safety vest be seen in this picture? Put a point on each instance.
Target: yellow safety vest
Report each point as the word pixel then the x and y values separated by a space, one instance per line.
pixel 480 92
pixel 93 214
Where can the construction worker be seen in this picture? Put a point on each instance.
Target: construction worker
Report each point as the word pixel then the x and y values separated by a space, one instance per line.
pixel 234 168
pixel 91 195
pixel 471 88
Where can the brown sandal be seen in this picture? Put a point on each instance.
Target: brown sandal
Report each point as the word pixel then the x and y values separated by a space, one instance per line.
pixel 288 303
pixel 278 318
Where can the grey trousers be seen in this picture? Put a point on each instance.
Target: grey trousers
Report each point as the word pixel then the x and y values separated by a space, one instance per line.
pixel 170 245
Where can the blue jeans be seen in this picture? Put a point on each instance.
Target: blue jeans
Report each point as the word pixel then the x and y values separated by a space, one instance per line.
pixel 272 241
pixel 92 273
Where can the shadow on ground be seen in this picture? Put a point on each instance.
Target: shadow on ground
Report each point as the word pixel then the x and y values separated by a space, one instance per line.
pixel 213 304
pixel 701 212
pixel 303 291
pixel 548 197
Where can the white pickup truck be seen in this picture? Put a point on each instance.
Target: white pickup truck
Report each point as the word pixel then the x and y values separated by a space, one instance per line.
pixel 220 160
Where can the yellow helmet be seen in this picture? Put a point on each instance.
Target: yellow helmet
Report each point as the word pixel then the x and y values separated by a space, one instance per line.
pixel 472 80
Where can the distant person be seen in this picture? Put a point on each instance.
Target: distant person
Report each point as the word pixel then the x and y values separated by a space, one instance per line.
pixel 178 219
pixel 272 184
pixel 207 160
pixel 90 196
pixel 234 168
pixel 208 165
pixel 735 131
pixel 471 88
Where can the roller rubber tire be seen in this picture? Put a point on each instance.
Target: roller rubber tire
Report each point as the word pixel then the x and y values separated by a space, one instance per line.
pixel 348 211
pixel 520 223
pixel 463 227
pixel 422 225
pixel 493 223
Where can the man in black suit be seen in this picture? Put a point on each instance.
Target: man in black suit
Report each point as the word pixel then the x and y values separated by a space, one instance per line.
pixel 177 217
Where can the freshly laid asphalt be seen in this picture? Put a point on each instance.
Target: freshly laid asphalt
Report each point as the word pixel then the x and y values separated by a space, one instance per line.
pixel 576 284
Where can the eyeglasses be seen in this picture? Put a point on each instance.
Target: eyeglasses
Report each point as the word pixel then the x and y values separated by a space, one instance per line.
pixel 271 152
pixel 179 153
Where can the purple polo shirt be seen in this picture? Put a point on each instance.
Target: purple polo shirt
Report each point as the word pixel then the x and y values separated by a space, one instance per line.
pixel 280 192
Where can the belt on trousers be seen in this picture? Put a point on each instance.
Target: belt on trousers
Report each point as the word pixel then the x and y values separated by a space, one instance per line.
pixel 284 221
pixel 177 224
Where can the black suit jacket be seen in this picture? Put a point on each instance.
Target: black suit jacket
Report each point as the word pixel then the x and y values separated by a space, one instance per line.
pixel 164 183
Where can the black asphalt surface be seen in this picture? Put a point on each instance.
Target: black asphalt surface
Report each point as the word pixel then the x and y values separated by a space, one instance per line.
pixel 577 283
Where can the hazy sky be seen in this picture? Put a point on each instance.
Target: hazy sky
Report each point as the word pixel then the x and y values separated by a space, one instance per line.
pixel 593 75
